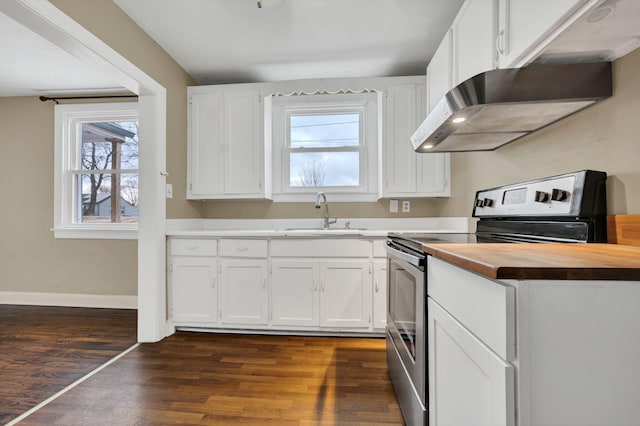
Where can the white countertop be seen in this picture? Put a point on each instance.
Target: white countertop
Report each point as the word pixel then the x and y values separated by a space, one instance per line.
pixel 274 228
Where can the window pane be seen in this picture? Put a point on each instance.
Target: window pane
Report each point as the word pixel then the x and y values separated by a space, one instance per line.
pixel 324 130
pixel 109 145
pixel 95 204
pixel 324 169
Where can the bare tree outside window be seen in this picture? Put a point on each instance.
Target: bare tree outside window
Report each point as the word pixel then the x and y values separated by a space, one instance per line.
pixel 312 174
pixel 109 179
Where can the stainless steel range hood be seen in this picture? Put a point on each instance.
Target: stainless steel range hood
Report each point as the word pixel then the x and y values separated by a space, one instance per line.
pixel 500 106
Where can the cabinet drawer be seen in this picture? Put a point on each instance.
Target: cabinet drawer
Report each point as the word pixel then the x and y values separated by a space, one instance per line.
pixel 189 247
pixel 243 248
pixel 321 248
pixel 485 307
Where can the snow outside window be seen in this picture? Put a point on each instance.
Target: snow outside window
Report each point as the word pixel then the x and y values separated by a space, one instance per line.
pixel 96 170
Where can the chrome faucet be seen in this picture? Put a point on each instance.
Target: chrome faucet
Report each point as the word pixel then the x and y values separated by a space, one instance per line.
pixel 327 222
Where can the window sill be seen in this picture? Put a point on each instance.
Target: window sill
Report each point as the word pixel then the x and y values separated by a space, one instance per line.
pixel 97 233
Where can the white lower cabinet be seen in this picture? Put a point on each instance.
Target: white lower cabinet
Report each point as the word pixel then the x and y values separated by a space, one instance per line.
pixel 468 383
pixel 294 293
pixel 244 291
pixel 379 294
pixel 194 294
pixel 325 293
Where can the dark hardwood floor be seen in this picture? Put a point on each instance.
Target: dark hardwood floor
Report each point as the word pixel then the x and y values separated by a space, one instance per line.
pixel 45 349
pixel 199 378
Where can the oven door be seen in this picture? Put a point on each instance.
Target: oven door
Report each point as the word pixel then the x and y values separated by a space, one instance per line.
pixel 406 318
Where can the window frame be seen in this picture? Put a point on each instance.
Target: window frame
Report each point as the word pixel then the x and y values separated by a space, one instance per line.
pixel 66 140
pixel 366 105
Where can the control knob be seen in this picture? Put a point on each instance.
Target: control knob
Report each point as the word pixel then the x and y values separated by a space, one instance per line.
pixel 559 194
pixel 488 202
pixel 542 197
pixel 479 203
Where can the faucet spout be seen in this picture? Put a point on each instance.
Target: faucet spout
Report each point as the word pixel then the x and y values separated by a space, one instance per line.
pixel 322 198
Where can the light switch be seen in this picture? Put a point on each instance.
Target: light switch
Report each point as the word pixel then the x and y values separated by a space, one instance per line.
pixel 406 206
pixel 169 190
pixel 393 206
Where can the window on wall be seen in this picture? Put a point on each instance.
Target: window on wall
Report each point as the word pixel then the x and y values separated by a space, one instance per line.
pixel 326 143
pixel 96 170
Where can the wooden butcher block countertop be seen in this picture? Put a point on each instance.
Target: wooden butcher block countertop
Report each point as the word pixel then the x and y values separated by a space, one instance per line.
pixel 544 261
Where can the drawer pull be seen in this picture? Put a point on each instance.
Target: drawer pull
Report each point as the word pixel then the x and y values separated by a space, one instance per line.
pixel 242 249
pixel 192 247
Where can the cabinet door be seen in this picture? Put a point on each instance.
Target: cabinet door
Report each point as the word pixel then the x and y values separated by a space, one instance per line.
pixel 440 71
pixel 294 292
pixel 399 157
pixel 524 25
pixel 379 294
pixel 244 151
pixel 345 293
pixel 193 289
pixel 474 32
pixel 468 383
pixel 205 146
pixel 243 291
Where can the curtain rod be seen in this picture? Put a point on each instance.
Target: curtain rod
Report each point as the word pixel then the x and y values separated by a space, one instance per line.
pixel 55 99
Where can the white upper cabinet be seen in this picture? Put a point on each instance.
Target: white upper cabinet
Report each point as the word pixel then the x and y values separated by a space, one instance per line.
pixel 525 27
pixel 405 172
pixel 474 32
pixel 226 145
pixel 440 71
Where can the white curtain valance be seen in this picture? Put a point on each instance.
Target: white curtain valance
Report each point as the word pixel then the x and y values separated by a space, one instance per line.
pixel 325 92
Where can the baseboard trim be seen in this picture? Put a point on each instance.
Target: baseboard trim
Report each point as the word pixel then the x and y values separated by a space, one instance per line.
pixel 69 300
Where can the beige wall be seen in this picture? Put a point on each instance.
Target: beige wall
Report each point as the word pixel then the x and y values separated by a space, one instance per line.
pixel 604 137
pixel 31 259
pixel 110 24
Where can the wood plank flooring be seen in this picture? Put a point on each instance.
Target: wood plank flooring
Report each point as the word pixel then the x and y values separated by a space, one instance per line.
pixel 45 349
pixel 200 378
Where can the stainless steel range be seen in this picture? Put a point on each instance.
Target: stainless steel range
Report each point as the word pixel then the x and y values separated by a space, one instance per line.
pixel 569 208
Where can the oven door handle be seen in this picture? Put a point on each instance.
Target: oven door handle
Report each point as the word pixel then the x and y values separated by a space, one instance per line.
pixel 413 260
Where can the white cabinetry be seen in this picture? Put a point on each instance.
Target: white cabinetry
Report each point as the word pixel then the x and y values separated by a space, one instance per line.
pixel 525 27
pixel 311 287
pixel 547 352
pixel 294 293
pixel 440 71
pixel 405 172
pixel 474 32
pixel 193 278
pixel 244 282
pixel 379 294
pixel 226 145
pixel 468 383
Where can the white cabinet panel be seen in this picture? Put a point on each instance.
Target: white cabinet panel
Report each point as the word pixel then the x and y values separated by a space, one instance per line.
pixel 325 247
pixel 440 71
pixel 225 145
pixel 243 291
pixel 193 289
pixel 468 383
pixel 525 27
pixel 206 145
pixel 193 247
pixel 474 32
pixel 294 292
pixel 243 248
pixel 345 293
pixel 244 145
pixel 380 294
pixel 407 173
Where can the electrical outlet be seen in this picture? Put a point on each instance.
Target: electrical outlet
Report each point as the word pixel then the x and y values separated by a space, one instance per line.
pixel 393 206
pixel 169 190
pixel 406 206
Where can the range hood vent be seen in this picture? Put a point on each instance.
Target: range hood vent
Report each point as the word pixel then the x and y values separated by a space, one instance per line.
pixel 500 106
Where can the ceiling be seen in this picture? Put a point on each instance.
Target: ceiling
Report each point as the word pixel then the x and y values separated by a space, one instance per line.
pixel 33 66
pixel 231 41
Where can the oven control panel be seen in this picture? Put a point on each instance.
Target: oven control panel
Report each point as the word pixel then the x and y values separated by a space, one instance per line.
pixel 555 196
